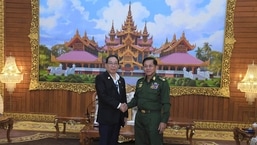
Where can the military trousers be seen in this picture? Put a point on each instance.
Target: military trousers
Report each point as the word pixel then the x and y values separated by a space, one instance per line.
pixel 146 128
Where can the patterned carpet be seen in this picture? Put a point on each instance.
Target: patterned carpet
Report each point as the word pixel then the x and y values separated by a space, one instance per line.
pixel 47 130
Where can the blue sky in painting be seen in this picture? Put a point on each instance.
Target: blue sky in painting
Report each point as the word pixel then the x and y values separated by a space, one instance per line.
pixel 201 20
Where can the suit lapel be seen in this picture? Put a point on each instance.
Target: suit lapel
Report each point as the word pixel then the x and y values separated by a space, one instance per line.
pixel 110 80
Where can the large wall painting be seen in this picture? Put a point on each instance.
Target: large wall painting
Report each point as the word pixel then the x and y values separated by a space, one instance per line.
pixel 192 42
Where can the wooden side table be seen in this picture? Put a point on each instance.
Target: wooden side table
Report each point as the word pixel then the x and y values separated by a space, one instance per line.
pixel 87 134
pixel 7 124
pixel 181 123
pixel 241 135
pixel 65 120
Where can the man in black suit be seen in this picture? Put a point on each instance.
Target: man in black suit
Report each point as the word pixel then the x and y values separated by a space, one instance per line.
pixel 111 92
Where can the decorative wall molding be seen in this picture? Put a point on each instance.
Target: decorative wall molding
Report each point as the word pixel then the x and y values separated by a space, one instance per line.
pixel 31 117
pixel 1 52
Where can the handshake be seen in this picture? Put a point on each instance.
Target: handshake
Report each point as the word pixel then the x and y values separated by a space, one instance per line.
pixel 123 107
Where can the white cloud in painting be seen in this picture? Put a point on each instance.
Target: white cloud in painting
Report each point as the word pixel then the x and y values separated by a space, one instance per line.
pixel 76 4
pixel 200 20
pixel 187 17
pixel 116 12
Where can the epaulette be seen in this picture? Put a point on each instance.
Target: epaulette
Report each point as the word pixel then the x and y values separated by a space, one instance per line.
pixel 141 78
pixel 163 79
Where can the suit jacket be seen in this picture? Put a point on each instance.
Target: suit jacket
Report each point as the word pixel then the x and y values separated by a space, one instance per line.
pixel 109 99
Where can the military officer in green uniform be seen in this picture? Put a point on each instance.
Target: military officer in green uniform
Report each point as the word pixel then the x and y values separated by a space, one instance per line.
pixel 152 98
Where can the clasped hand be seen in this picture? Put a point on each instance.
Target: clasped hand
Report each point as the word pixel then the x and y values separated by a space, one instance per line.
pixel 123 107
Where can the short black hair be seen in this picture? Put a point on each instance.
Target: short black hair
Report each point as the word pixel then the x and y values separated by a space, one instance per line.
pixel 150 58
pixel 112 55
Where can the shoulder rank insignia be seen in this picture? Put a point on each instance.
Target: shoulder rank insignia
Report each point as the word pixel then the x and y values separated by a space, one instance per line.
pixel 140 84
pixel 163 79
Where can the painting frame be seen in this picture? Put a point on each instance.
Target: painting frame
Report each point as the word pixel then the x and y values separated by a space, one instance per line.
pixel 222 91
pixel 2 43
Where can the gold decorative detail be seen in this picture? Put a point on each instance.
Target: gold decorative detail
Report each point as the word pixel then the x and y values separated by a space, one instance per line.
pixel 1 43
pixel 222 91
pixel 220 125
pixel 176 127
pixel 123 139
pixel 130 88
pixel 31 117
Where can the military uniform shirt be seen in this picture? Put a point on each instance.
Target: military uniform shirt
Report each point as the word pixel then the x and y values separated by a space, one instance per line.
pixel 152 96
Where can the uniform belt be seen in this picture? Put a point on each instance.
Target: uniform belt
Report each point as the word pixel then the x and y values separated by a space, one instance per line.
pixel 147 111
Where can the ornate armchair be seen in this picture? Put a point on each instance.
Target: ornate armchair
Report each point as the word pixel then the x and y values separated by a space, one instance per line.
pixel 132 111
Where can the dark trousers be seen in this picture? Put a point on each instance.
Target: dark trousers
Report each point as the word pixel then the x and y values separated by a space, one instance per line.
pixel 109 134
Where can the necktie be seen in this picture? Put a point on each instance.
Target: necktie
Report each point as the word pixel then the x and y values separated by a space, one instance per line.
pixel 117 86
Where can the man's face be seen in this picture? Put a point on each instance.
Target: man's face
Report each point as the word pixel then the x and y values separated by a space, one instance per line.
pixel 149 68
pixel 112 65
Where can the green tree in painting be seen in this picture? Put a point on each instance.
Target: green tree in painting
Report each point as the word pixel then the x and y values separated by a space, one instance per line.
pixel 216 62
pixel 102 55
pixel 198 53
pixel 59 49
pixel 44 57
pixel 204 53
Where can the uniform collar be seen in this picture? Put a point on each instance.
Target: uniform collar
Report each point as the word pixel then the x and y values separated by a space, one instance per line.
pixel 152 79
